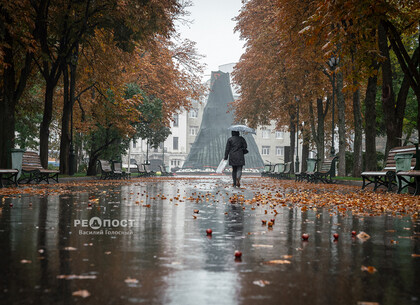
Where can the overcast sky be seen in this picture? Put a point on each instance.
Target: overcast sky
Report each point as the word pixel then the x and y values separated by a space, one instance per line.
pixel 212 30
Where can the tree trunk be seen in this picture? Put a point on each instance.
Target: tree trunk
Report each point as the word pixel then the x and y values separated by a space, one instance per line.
pixel 388 96
pixel 91 170
pixel 403 94
pixel 318 127
pixel 341 126
pixel 406 63
pixel 292 141
pixel 12 87
pixel 7 117
pixel 7 130
pixel 44 131
pixel 357 166
pixel 65 123
pixel 321 130
pixel 305 148
pixel 370 124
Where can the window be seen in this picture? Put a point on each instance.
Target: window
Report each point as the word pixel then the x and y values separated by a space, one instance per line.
pixel 279 135
pixel 280 151
pixel 176 120
pixel 265 133
pixel 193 130
pixel 175 162
pixel 265 150
pixel 134 143
pixel 193 113
pixel 175 143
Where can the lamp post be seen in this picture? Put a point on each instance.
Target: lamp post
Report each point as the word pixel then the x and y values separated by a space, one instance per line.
pixel 297 163
pixel 147 152
pixel 333 63
pixel 72 157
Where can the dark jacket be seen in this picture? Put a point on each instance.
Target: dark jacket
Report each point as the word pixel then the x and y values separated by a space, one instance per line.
pixel 235 147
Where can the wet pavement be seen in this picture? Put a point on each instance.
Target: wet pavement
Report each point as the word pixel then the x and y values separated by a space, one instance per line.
pixel 145 242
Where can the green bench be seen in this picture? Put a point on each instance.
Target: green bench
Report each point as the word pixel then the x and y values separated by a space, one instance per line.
pixel 387 176
pixel 311 167
pixel 325 173
pixel 410 178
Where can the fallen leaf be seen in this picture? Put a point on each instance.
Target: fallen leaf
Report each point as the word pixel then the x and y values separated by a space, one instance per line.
pixel 415 255
pixel 369 269
pixel 363 236
pixel 130 280
pixel 277 262
pixel 25 261
pixel 76 277
pixel 261 283
pixel 287 256
pixel 70 249
pixel 367 303
pixel 81 293
pixel 262 246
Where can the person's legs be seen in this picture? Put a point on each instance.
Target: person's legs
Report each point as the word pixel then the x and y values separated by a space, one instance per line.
pixel 238 175
pixel 234 170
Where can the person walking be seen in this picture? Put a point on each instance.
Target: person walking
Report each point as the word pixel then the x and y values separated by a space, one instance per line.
pixel 236 148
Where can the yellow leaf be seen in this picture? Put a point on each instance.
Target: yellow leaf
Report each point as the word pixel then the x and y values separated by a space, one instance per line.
pixel 81 293
pixel 277 262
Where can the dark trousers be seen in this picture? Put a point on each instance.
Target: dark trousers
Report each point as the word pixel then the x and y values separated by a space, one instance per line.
pixel 236 173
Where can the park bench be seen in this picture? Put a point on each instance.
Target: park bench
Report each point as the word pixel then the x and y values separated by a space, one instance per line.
pixel 147 170
pixel 311 167
pixel 387 176
pixel 268 169
pixel 325 173
pixel 32 169
pixel 107 171
pixel 410 178
pixel 287 170
pixel 118 171
pixel 413 180
pixel 164 171
pixel 139 169
pixel 278 168
pixel 10 175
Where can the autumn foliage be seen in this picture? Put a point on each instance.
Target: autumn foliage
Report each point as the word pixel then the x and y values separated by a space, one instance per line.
pixel 284 70
pixel 81 55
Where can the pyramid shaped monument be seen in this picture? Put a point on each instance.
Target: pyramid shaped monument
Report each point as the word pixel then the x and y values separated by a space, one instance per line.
pixel 209 146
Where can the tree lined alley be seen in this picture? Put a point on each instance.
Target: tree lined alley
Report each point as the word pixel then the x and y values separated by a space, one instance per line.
pixel 296 51
pixel 112 68
pixel 66 60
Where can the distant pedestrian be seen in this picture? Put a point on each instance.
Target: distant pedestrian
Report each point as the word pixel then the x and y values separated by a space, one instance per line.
pixel 236 148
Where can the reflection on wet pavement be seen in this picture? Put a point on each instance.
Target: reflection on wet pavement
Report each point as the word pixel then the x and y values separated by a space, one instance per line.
pixel 145 242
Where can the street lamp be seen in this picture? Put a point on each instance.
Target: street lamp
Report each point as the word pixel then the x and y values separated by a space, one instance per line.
pixel 297 163
pixel 333 63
